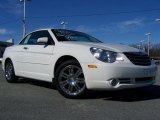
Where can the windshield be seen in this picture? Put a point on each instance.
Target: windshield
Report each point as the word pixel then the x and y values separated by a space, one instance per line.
pixel 69 35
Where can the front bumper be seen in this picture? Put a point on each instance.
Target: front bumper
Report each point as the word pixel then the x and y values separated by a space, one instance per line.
pixel 127 75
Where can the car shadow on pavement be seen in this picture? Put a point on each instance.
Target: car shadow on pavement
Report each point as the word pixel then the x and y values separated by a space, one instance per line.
pixel 129 95
pixel 36 83
pixel 126 95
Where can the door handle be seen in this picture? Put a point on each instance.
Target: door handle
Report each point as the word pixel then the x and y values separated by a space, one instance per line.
pixel 25 48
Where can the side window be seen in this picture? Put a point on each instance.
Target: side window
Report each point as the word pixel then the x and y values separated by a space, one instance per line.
pixel 25 40
pixel 32 38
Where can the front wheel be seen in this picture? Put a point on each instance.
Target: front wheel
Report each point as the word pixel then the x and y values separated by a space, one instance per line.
pixel 70 79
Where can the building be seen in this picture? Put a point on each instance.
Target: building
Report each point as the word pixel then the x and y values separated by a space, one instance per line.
pixel 3 45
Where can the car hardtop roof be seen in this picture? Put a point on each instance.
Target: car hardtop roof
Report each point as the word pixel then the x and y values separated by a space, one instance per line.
pixel 48 29
pixel 43 29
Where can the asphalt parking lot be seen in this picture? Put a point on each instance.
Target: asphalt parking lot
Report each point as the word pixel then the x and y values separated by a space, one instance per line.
pixel 33 100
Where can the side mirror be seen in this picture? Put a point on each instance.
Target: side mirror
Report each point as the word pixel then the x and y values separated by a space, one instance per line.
pixel 43 40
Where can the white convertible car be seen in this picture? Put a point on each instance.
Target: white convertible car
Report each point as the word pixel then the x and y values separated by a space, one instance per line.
pixel 76 62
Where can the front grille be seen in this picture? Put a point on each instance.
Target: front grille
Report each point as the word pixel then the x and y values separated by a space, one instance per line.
pixel 138 58
pixel 124 80
pixel 136 80
pixel 145 79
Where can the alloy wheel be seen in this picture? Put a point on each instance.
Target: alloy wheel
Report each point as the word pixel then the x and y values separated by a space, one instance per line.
pixel 71 80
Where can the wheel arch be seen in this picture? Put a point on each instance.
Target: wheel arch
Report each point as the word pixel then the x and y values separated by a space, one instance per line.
pixel 7 59
pixel 63 59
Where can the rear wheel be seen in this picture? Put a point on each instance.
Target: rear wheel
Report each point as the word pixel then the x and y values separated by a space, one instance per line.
pixel 9 72
pixel 70 79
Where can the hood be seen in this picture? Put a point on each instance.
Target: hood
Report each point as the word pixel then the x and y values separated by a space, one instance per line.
pixel 110 47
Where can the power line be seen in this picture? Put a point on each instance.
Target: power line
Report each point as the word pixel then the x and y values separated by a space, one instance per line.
pixel 98 14
pixel 85 15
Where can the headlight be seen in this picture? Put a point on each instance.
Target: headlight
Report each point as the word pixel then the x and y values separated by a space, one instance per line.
pixel 105 55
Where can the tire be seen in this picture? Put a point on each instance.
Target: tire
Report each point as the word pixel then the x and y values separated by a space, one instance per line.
pixel 9 72
pixel 70 81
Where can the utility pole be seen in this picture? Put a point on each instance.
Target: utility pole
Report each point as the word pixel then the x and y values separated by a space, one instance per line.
pixel 24 16
pixel 63 23
pixel 148 36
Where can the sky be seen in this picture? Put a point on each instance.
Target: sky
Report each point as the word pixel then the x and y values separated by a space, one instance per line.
pixel 111 21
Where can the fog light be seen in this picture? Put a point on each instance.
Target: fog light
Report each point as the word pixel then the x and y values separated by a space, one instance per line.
pixel 114 82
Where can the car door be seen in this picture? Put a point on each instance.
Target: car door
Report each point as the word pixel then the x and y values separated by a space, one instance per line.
pixel 34 59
